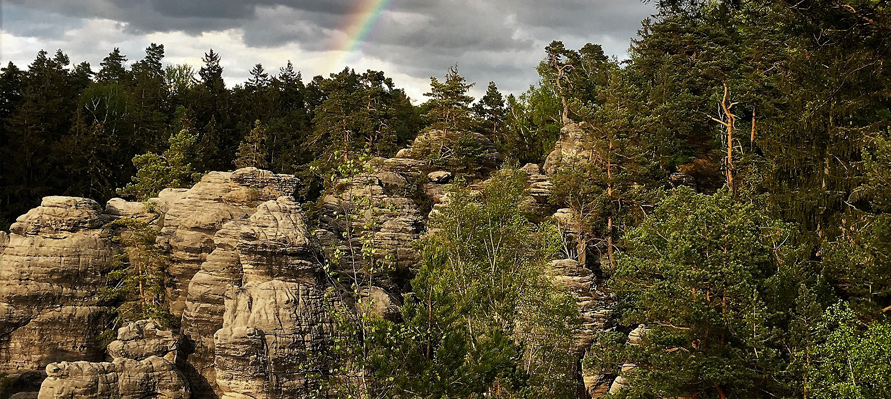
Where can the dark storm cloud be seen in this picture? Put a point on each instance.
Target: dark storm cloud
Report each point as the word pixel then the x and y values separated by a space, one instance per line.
pixel 32 23
pixel 499 40
pixel 473 19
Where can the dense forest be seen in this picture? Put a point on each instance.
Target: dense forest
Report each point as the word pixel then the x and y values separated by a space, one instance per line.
pixel 735 197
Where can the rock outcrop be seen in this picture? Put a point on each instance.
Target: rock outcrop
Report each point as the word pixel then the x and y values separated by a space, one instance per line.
pixel 454 150
pixel 52 268
pixel 569 148
pixel 143 366
pixel 192 218
pixel 273 337
pixel 382 213
pixel 595 307
pixel 539 190
pixel 246 276
pixel 272 244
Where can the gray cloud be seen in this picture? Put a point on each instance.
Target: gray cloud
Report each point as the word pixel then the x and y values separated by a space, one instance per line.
pixel 499 40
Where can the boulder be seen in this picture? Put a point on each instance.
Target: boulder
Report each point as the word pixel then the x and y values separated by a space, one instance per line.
pixel 143 366
pixel 439 177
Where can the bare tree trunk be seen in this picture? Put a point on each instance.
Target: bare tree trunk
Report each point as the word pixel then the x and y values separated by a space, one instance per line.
pixel 730 126
pixel 752 140
pixel 609 219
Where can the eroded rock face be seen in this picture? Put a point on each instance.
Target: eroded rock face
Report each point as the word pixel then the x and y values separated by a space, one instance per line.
pixel 275 325
pixel 143 367
pixel 51 270
pixel 271 245
pixel 595 307
pixel 539 190
pixel 273 333
pixel 192 218
pixel 379 201
pixel 144 339
pixel 569 148
pixel 449 149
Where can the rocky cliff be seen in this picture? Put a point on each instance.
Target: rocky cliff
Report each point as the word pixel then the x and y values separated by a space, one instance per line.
pixel 247 278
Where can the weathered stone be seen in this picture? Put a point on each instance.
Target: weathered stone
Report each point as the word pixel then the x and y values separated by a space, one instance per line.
pixel 142 211
pixel 143 366
pixel 395 220
pixel 379 302
pixel 565 220
pixel 595 307
pixel 271 337
pixel 153 377
pixel 51 268
pixel 596 385
pixel 144 339
pixel 273 243
pixel 569 148
pixel 539 190
pixel 635 337
pixel 439 176
pixel 58 216
pixel 194 216
pixel 81 380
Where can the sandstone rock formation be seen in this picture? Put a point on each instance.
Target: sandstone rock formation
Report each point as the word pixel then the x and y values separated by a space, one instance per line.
pixel 635 337
pixel 539 190
pixel 246 276
pixel 455 151
pixel 273 244
pixel 595 307
pixel 192 217
pixel 143 366
pixel 51 269
pixel 569 148
pixel 272 337
pixel 382 214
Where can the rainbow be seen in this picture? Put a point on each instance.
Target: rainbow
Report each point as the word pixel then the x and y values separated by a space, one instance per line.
pixel 358 25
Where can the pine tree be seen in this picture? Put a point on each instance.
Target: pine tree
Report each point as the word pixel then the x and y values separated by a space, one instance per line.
pixel 171 169
pixel 490 113
pixel 700 272
pixel 137 286
pixel 449 104
pixel 252 150
pixel 113 69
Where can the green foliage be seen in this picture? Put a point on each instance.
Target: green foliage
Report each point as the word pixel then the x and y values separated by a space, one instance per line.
pixel 876 185
pixel 252 150
pixel 700 272
pixel 853 360
pixel 353 270
pixel 490 113
pixel 449 105
pixel 137 286
pixel 533 125
pixel 483 314
pixel 157 172
pixel 858 262
pixel 356 114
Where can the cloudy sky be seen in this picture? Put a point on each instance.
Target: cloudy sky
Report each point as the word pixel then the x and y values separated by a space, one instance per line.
pixel 410 40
